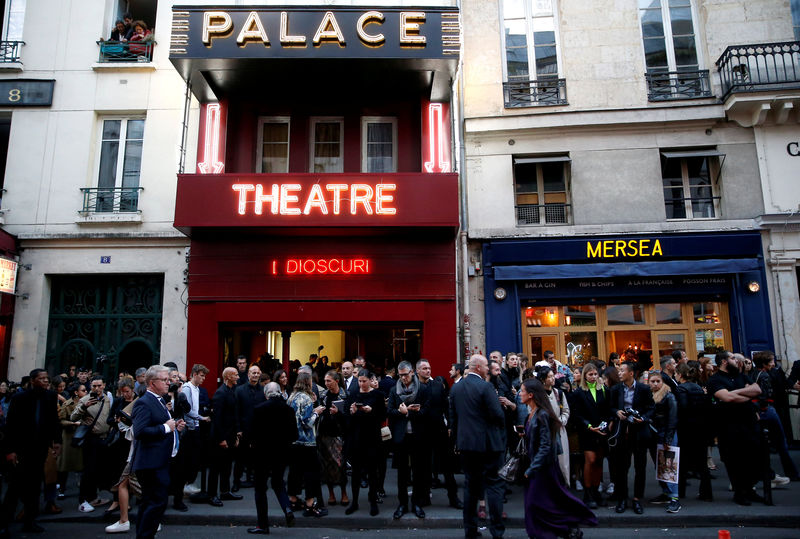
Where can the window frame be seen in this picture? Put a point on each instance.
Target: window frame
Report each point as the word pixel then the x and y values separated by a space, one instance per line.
pixel 668 38
pixel 6 17
pixel 313 121
pixel 715 161
pixel 365 121
pixel 566 170
pixel 260 144
pixel 531 47
pixel 794 8
pixel 121 153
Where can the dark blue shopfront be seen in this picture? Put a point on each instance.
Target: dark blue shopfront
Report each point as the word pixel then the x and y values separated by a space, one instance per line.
pixel 714 286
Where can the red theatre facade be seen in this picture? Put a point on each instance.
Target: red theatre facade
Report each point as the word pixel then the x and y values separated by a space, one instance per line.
pixel 323 209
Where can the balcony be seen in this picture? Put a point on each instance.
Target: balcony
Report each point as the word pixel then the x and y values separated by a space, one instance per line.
pixel 760 80
pixel 532 93
pixel 554 214
pixel 9 51
pixel 675 85
pixel 110 200
pixel 119 51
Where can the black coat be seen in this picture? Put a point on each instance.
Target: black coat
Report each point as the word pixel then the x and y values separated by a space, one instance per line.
pixel 247 397
pixel 225 419
pixel 398 422
pixel 23 434
pixel 585 411
pixel 642 403
pixel 476 417
pixel 274 429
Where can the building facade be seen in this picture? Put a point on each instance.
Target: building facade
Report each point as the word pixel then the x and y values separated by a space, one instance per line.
pixel 322 209
pixel 614 196
pixel 92 142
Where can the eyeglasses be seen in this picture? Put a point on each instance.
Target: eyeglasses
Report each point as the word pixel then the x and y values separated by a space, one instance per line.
pixel 405 373
pixel 163 379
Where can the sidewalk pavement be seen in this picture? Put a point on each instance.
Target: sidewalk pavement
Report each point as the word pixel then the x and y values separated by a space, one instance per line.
pixel 721 512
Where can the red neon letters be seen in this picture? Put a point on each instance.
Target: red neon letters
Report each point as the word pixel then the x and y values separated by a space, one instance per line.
pixel 290 199
pixel 321 266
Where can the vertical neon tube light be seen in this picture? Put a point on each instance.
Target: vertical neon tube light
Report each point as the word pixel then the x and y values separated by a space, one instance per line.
pixel 213 126
pixel 437 152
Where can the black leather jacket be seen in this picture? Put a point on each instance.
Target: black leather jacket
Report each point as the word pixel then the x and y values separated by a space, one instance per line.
pixel 539 441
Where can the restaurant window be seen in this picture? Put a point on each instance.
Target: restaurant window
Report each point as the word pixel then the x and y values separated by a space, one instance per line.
pixel 531 54
pixel 691 183
pixel 327 146
pixel 542 190
pixel 378 144
pixel 273 144
pixel 119 166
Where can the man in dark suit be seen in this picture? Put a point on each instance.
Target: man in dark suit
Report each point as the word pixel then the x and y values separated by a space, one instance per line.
pixel 155 436
pixel 32 429
pixel 668 366
pixel 633 437
pixel 247 397
pixel 477 424
pixel 225 436
pixel 406 411
pixel 274 430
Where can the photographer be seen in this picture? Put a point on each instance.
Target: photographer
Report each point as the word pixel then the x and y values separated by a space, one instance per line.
pixel 93 411
pixel 632 406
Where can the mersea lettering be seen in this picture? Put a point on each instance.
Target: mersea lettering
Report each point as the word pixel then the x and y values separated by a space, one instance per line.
pixel 624 248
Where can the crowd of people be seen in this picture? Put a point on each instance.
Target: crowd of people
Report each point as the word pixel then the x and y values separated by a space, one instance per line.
pixel 339 428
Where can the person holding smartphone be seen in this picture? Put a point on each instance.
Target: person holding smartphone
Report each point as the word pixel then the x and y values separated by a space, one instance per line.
pixel 407 423
pixel 93 411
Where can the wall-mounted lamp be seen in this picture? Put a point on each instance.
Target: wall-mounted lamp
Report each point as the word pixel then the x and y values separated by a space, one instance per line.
pixel 753 286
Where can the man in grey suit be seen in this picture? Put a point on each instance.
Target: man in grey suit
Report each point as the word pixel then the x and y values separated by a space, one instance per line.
pixel 477 425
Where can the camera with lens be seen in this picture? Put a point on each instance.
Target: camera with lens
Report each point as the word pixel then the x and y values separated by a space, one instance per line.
pixel 603 426
pixel 633 414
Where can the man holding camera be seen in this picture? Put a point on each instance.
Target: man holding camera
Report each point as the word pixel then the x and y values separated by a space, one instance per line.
pixel 632 404
pixel 92 411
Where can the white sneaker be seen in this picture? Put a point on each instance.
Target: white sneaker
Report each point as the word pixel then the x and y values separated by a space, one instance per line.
pixel 159 528
pixel 610 489
pixel 190 489
pixel 578 485
pixel 600 488
pixel 85 507
pixel 119 527
pixel 779 481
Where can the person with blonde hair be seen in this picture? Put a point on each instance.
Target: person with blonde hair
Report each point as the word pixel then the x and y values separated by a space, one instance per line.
pixel 304 454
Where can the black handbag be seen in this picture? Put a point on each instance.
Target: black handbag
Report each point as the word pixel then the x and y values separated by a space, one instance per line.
pixel 83 430
pixel 512 469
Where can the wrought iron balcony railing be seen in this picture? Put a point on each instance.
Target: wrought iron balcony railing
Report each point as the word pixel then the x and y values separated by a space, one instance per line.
pixel 9 51
pixel 554 214
pixel 111 199
pixel 126 51
pixel 532 93
pixel 670 85
pixel 760 67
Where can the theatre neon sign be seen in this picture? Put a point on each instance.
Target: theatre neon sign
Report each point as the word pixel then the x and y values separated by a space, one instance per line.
pixel 322 199
pixel 321 266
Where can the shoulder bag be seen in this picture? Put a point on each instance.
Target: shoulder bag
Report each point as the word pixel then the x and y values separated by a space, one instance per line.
pixel 83 430
pixel 512 469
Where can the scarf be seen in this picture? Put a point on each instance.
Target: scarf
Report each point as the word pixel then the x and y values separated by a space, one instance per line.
pixel 661 393
pixel 408 394
pixel 592 390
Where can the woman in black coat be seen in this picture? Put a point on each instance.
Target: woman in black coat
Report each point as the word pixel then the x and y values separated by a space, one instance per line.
pixel 550 509
pixel 366 411
pixel 591 411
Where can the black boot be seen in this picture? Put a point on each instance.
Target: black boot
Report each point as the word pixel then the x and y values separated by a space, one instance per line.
pixel 598 498
pixel 588 499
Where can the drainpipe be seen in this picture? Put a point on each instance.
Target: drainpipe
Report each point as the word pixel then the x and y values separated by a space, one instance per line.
pixel 462 180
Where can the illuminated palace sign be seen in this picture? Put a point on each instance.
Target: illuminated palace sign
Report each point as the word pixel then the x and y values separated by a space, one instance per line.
pixel 634 248
pixel 321 266
pixel 323 199
pixel 230 32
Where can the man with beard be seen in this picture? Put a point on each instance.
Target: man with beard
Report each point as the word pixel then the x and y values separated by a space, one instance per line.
pixel 737 422
pixel 505 395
